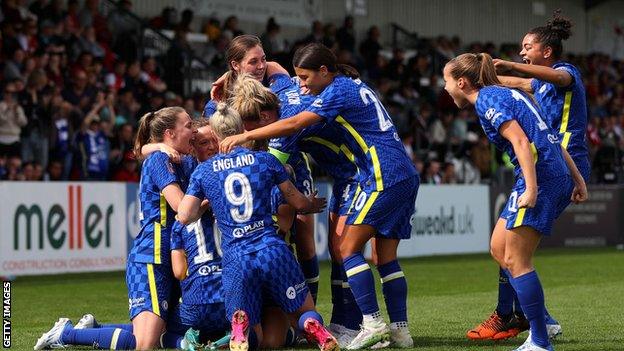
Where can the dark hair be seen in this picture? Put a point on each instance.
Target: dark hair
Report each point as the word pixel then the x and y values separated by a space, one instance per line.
pixel 315 55
pixel 478 69
pixel 236 51
pixel 553 33
pixel 152 126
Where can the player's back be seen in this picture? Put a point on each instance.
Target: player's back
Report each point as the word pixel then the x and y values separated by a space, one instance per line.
pixel 238 186
pixel 497 105
pixel 367 130
pixel 565 110
pixel 202 247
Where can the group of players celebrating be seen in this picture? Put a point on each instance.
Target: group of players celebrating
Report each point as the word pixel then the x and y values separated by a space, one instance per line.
pixel 245 165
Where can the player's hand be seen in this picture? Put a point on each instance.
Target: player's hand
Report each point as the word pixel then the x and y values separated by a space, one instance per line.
pixel 174 156
pixel 502 66
pixel 317 204
pixel 579 194
pixel 216 93
pixel 527 199
pixel 226 145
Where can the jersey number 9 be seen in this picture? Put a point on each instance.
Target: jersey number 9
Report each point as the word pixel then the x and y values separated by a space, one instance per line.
pixel 245 198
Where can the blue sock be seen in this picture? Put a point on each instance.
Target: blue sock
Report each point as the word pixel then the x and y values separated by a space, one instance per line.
pixel 506 294
pixel 362 283
pixel 171 340
pixel 126 327
pixel 352 314
pixel 531 296
pixel 100 338
pixel 310 269
pixel 549 319
pixel 394 287
pixel 337 315
pixel 309 314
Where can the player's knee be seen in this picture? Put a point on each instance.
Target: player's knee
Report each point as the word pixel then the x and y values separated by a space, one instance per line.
pixel 147 342
pixel 272 341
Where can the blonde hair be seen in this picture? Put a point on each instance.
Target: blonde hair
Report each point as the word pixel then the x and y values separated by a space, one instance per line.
pixel 226 121
pixel 478 69
pixel 249 97
pixel 152 127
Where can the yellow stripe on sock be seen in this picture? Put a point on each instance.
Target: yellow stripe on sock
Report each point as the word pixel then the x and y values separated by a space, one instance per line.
pixel 153 292
pixel 392 276
pixel 114 339
pixel 358 269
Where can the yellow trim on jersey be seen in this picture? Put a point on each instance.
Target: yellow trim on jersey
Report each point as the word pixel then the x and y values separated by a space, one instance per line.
pixel 376 168
pixel 358 138
pixel 306 159
pixel 163 210
pixel 534 152
pixel 157 240
pixel 353 133
pixel 345 150
pixel 153 291
pixel 565 118
pixel 367 206
pixel 313 280
pixel 357 269
pixel 115 338
pixel 519 217
pixel 326 143
pixel 281 156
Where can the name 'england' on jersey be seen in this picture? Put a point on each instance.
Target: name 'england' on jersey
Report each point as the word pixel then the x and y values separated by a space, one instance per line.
pixel 201 245
pixel 238 186
pixel 367 130
pixel 565 110
pixel 497 105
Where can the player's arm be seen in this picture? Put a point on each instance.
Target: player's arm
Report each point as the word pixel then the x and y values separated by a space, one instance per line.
pixel 173 194
pixel 512 131
pixel 189 209
pixel 275 68
pixel 174 156
pixel 300 202
pixel 579 194
pixel 558 77
pixel 283 127
pixel 179 264
pixel 517 83
pixel 285 217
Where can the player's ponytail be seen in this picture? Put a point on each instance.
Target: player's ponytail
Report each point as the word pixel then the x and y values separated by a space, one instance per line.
pixel 249 97
pixel 487 72
pixel 152 127
pixel 226 121
pixel 553 33
pixel 315 55
pixel 478 69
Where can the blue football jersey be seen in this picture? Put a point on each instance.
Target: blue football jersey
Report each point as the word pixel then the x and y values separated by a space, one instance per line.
pixel 209 108
pixel 238 186
pixel 497 105
pixel 201 244
pixel 367 130
pixel 565 110
pixel 152 243
pixel 328 148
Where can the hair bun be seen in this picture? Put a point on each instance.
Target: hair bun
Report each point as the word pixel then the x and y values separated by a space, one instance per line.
pixel 560 25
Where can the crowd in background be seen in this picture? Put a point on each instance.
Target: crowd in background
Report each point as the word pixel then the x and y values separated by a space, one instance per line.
pixel 74 86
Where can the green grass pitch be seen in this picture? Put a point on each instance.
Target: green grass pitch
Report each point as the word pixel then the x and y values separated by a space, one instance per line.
pixel 447 295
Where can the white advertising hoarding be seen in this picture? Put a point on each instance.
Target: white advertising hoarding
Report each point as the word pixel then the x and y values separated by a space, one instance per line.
pixel 449 219
pixel 62 227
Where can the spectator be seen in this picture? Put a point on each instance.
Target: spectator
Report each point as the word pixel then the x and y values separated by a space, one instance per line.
pixel 272 43
pixel 12 119
pixel 122 142
pixel 481 156
pixel 346 35
pixel 80 94
pixel 317 34
pixel 230 28
pixel 125 31
pixel 115 80
pixel 13 67
pixel 128 172
pixel 87 43
pixel 14 169
pixel 127 107
pixel 55 171
pixel 92 148
pixel 432 173
pixel 369 49
pixel 35 133
pixel 448 174
pixel 186 20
